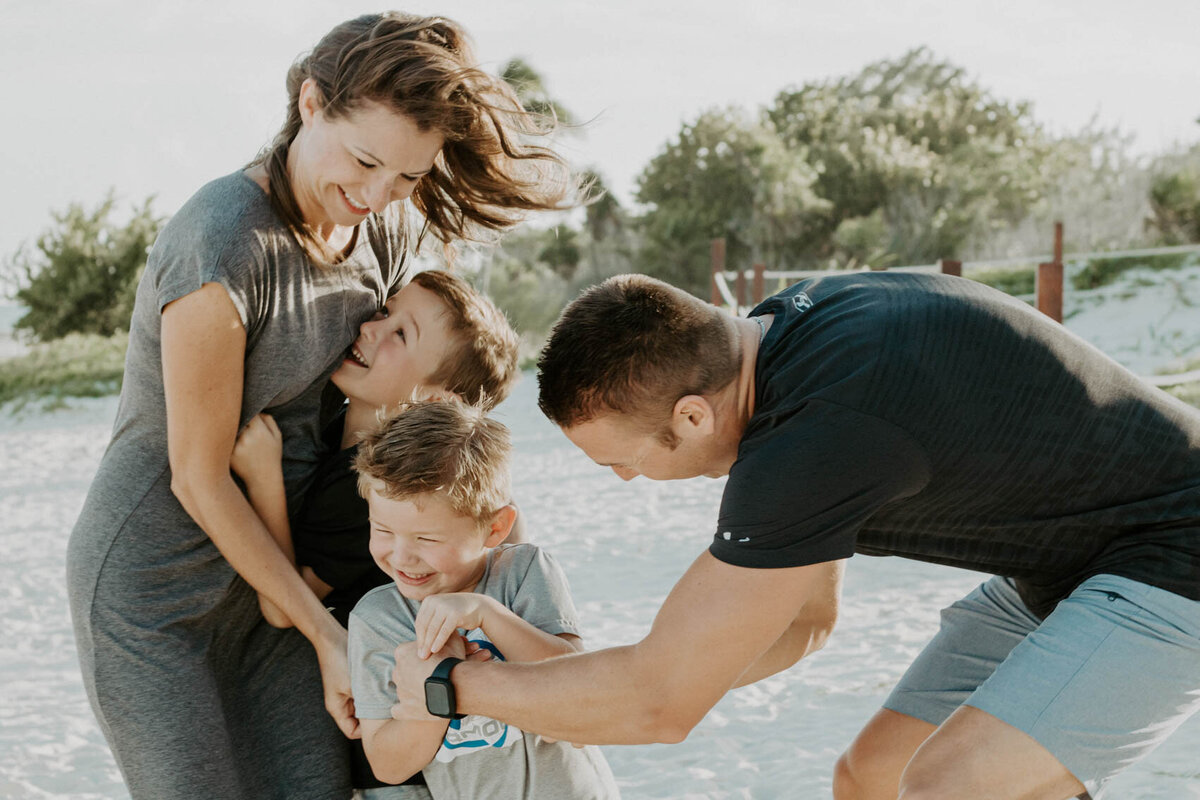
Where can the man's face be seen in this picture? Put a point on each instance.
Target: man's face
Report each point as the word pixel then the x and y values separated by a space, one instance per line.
pixel 612 441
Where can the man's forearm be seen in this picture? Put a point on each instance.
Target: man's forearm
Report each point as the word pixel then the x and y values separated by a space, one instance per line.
pixel 603 697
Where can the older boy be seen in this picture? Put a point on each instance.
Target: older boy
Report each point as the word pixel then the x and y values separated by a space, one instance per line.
pixel 437 334
pixel 437 482
pixel 888 414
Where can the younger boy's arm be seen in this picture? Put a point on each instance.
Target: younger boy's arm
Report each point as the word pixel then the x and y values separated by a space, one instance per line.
pixel 443 614
pixel 397 749
pixel 258 460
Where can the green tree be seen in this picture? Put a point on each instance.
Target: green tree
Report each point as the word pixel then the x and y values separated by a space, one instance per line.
pixel 83 275
pixel 937 156
pixel 560 252
pixel 531 90
pixel 1175 197
pixel 723 176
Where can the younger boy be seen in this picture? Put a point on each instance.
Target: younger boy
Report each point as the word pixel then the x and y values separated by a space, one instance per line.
pixel 437 334
pixel 436 479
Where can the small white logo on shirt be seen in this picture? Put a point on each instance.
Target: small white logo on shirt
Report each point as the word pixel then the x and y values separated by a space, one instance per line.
pixel 728 536
pixel 801 302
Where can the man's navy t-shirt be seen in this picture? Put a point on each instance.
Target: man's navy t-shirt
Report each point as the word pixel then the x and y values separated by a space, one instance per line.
pixel 934 418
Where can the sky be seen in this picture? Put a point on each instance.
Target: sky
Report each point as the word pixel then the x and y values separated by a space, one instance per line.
pixel 158 96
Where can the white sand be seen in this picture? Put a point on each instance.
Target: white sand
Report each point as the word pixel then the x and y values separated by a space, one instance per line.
pixel 623 546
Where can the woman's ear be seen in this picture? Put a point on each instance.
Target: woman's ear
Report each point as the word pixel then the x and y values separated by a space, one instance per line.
pixel 501 525
pixel 309 101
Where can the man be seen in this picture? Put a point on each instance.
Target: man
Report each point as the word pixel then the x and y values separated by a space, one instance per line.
pixel 887 414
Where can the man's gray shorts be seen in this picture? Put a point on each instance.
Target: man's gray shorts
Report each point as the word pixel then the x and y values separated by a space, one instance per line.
pixel 1110 674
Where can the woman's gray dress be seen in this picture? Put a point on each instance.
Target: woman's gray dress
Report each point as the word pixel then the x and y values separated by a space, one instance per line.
pixel 197 696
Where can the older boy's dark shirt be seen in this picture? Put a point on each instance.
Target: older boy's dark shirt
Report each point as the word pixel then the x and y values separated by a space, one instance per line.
pixel 934 418
pixel 332 532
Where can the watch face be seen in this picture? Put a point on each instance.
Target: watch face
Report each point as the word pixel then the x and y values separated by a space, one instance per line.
pixel 438 698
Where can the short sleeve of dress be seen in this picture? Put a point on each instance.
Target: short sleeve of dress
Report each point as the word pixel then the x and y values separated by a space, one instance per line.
pixel 542 597
pixel 207 242
pixel 801 489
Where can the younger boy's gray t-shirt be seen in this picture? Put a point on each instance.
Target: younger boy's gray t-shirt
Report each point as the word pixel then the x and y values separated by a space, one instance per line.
pixel 482 757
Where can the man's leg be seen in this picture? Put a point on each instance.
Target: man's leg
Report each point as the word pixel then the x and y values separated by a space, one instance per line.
pixel 975 755
pixel 872 767
pixel 1102 681
pixel 977 633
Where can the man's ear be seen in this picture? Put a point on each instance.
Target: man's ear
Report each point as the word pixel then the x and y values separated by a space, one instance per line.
pixel 501 525
pixel 693 416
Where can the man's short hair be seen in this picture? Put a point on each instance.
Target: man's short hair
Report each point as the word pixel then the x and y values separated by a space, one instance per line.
pixel 633 345
pixel 447 448
pixel 481 365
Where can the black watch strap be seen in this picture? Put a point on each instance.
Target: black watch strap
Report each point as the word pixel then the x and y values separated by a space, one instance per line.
pixel 442 670
pixel 440 678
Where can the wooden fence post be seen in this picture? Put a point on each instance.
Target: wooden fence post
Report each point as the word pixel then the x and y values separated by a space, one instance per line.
pixel 740 292
pixel 759 278
pixel 949 266
pixel 717 250
pixel 1050 280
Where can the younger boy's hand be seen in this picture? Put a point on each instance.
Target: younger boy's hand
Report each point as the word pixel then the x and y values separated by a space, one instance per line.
pixel 441 616
pixel 258 450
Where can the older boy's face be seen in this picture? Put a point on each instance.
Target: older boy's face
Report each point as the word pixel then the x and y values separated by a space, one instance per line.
pixel 398 350
pixel 427 547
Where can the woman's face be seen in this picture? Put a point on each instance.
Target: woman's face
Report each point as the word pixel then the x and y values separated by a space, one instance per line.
pixel 349 166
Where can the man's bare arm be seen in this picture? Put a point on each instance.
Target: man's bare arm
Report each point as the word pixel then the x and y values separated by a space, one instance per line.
pixel 718 621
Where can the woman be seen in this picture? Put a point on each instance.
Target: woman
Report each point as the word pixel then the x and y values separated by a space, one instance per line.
pixel 251 296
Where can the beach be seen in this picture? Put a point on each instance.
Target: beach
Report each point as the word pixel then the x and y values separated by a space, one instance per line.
pixel 622 545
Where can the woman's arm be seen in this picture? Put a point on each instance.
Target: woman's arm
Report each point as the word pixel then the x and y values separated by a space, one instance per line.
pixel 442 614
pixel 203 348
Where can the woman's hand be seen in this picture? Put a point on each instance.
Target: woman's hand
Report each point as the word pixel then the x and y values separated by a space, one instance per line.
pixel 441 616
pixel 258 452
pixel 335 678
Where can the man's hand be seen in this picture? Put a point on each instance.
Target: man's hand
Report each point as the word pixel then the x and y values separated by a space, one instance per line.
pixel 441 616
pixel 411 670
pixel 258 451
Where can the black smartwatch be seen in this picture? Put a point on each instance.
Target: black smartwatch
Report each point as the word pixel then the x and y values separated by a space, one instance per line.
pixel 439 691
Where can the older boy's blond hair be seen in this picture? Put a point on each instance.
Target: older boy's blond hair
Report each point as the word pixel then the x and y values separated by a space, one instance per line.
pixel 448 448
pixel 481 366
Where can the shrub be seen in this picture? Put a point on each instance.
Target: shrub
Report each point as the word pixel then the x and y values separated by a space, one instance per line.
pixel 77 365
pixel 84 273
pixel 1103 271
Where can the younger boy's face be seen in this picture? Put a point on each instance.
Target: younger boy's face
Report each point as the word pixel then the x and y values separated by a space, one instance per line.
pixel 426 548
pixel 398 350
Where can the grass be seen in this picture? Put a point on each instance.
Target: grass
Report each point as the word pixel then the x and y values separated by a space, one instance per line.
pixel 78 365
pixel 1103 271
pixel 1010 280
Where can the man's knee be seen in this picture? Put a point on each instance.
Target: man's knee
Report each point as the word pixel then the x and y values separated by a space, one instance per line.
pixel 846 784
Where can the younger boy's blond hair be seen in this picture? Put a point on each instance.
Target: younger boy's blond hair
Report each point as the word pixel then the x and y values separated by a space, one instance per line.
pixel 448 448
pixel 481 366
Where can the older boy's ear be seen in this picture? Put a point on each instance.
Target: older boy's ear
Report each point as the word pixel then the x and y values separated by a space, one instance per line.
pixel 425 394
pixel 501 525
